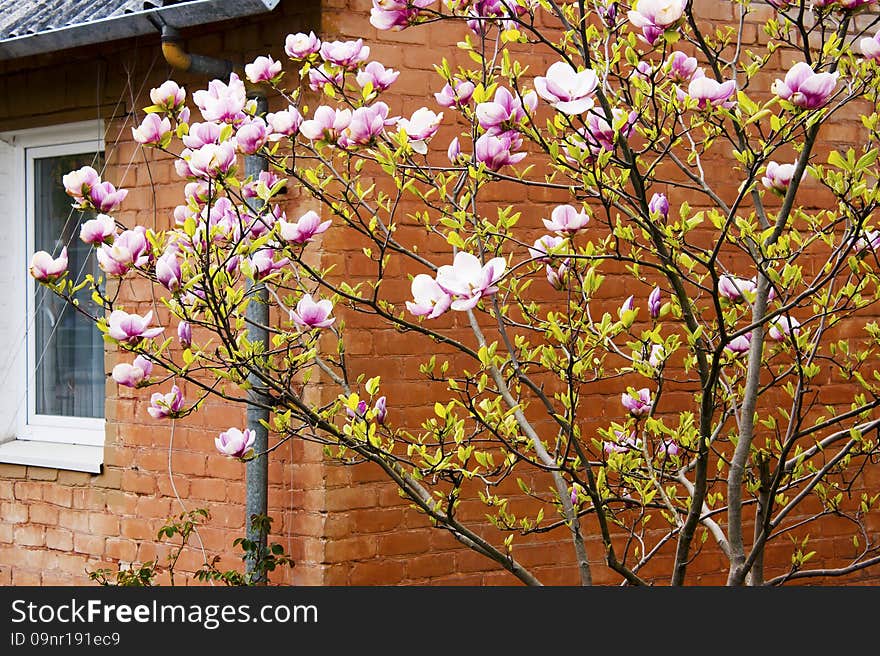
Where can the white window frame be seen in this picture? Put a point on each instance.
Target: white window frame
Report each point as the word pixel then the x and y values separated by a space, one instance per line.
pixel 43 440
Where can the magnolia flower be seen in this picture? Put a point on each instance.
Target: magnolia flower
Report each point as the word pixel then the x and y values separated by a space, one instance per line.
pixel 455 96
pixel 168 270
pixel 381 408
pixel 166 405
pixel 301 45
pixel 130 249
pixel 467 280
pixel 623 443
pixel 222 102
pixel 453 152
pixel 669 448
pixel 654 303
pixel 495 151
pixel 395 14
pixel 134 374
pixel 262 69
pixel 365 125
pixel 326 125
pixel 739 345
pixel 429 299
pixel 420 127
pixel 638 403
pixel 168 95
pixel 681 67
pixel 250 137
pixel 804 88
pixel 559 276
pixel 658 206
pixel 304 230
pixel 359 411
pixel 131 328
pixel 568 91
pixel 600 135
pixel 200 134
pixel 627 306
pixel 345 54
pixel 79 183
pixel 657 355
pixel 870 241
pixel 505 108
pixel 710 93
pixel 264 262
pixel 212 160
pixel 321 75
pixel 98 230
pixel 184 334
pixel 733 288
pixel 870 46
pixel 543 246
pixel 654 17
pixel 284 123
pixel 235 443
pixel 777 177
pixel 566 220
pixel 309 314
pixel 377 75
pixel 46 269
pixel 152 130
pixel 105 197
pixel 782 327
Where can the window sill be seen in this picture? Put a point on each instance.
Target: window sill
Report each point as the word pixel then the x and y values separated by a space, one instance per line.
pixel 54 455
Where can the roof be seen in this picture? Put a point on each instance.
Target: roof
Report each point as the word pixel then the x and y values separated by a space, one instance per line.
pixel 29 27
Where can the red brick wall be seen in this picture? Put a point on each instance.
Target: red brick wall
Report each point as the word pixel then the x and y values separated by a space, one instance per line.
pixel 342 525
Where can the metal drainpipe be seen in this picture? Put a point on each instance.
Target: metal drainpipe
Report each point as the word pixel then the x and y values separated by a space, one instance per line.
pixel 257 314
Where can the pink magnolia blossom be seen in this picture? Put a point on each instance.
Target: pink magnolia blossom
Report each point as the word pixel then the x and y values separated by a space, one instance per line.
pixel 543 246
pixel 375 74
pixel 381 408
pixel 777 177
pixel 131 328
pixel 654 17
pixel 453 152
pixel 568 91
pixel 467 280
pixel 739 345
pixel 262 69
pixel 284 123
pixel 212 160
pixel 496 151
pixel 659 206
pixel 429 299
pixel 782 327
pixel 734 289
pixel 184 334
pixel 304 229
pixel 152 130
pixel 600 135
pixel 366 123
pixel 804 88
pixel 326 125
pixel 711 93
pixel 345 54
pixel 222 102
pixel 654 303
pixel 504 109
pixel 129 250
pixel 200 134
pixel 870 46
pixel 869 242
pixel 168 95
pixel 457 95
pixel 166 405
pixel 251 136
pixel 321 75
pixel 420 127
pixel 235 443
pixel 99 230
pixel 627 306
pixel 309 314
pixel 681 67
pixel 79 183
pixel 657 355
pixel 622 443
pixel 566 220
pixel 557 277
pixel 638 403
pixel 168 270
pixel 395 14
pixel 301 45
pixel 264 262
pixel 45 268
pixel 135 374
pixel 669 447
pixel 105 197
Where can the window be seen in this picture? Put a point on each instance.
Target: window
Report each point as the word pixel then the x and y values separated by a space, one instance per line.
pixel 54 373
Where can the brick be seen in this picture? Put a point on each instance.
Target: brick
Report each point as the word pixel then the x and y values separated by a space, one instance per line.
pixel 14 512
pixel 12 471
pixel 30 536
pixel 59 539
pixel 42 474
pixel 381 572
pixel 103 524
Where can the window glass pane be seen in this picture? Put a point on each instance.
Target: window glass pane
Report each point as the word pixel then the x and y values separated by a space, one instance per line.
pixel 68 349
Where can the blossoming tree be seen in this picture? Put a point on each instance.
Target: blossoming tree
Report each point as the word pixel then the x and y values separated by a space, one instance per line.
pixel 738 296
